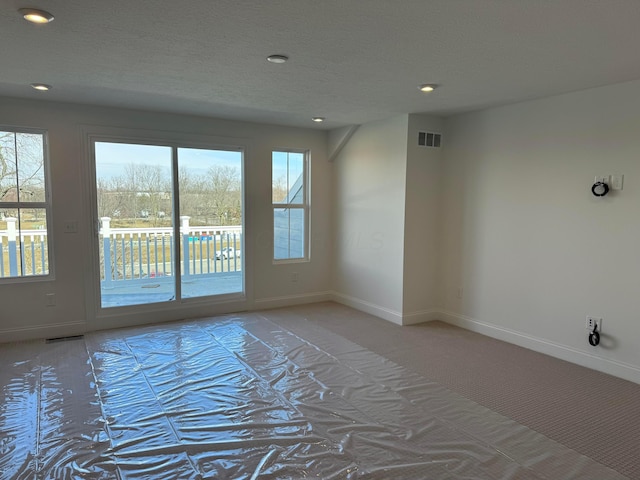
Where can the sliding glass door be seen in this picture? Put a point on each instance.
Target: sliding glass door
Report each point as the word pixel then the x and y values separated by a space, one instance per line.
pixel 210 185
pixel 170 222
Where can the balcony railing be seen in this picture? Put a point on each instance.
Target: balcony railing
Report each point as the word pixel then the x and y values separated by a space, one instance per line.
pixel 128 254
pixel 26 256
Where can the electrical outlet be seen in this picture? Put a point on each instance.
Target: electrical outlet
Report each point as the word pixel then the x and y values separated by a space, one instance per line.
pixel 617 182
pixel 50 299
pixel 71 226
pixel 294 277
pixel 593 321
pixel 459 293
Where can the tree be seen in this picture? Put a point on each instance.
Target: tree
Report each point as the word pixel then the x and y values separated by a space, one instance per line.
pixel 192 196
pixel 142 191
pixel 153 190
pixel 145 191
pixel 224 194
pixel 279 189
pixel 21 167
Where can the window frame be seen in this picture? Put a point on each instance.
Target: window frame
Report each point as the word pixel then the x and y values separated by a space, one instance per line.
pixel 305 206
pixel 46 205
pixel 175 141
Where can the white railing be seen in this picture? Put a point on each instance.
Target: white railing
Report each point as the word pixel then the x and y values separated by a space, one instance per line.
pixel 138 253
pixel 25 257
pixel 132 253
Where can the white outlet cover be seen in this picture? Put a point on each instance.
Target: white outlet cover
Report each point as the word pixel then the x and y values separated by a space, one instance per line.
pixel 590 322
pixel 70 226
pixel 617 182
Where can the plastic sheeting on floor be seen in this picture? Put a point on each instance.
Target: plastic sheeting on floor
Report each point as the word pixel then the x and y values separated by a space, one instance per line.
pixel 245 397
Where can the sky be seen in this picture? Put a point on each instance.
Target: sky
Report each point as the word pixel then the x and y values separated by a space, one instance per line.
pixel 288 165
pixel 111 158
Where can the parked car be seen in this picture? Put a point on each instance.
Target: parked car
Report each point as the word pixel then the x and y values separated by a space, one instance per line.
pixel 227 252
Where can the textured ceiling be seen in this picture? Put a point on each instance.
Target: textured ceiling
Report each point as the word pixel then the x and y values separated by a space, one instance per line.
pixel 352 61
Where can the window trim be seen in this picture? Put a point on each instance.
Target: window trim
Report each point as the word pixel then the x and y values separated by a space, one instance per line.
pixel 47 205
pixel 305 207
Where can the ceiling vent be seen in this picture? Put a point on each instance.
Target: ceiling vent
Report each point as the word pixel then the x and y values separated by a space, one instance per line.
pixel 429 139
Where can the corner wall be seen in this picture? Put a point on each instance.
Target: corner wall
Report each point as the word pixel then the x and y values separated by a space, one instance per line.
pixel 369 218
pixel 532 250
pixel 423 205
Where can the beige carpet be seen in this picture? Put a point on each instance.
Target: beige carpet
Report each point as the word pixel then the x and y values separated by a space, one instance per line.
pixel 260 395
pixel 592 413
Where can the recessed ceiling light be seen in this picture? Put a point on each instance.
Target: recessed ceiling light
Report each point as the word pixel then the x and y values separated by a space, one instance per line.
pixel 277 58
pixel 43 87
pixel 317 119
pixel 34 15
pixel 428 87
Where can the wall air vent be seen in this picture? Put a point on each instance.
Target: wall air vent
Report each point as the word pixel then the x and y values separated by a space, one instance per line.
pixel 64 339
pixel 429 139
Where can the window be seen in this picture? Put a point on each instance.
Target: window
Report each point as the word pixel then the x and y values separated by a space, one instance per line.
pixel 24 204
pixel 171 221
pixel 290 200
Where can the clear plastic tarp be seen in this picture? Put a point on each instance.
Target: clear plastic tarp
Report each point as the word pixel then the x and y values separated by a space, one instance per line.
pixel 250 397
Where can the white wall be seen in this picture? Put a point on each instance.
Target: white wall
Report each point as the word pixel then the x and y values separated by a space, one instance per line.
pixel 23 313
pixel 369 197
pixel 532 249
pixel 422 231
pixel 521 235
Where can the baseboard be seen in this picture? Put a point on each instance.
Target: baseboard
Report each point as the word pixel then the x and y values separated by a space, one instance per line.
pixel 368 307
pixel 563 352
pixel 289 300
pixel 421 316
pixel 43 331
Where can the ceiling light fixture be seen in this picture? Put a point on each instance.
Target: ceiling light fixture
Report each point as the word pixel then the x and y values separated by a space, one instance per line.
pixel 43 87
pixel 317 119
pixel 277 58
pixel 34 15
pixel 428 87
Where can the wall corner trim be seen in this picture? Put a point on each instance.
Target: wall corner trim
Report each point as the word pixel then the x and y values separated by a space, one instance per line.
pixel 421 317
pixel 368 307
pixel 345 139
